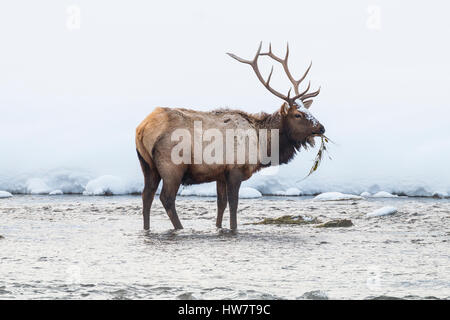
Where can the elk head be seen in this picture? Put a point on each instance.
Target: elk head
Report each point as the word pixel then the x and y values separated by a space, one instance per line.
pixel 297 122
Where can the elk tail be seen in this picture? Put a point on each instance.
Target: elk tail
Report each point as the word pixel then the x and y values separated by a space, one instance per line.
pixel 144 157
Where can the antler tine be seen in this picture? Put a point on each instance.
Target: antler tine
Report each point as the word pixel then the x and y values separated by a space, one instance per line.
pixel 270 54
pixel 254 64
pixel 287 52
pixel 239 59
pixel 310 95
pixel 284 62
pixel 306 90
pixel 305 74
pixel 270 76
pixel 250 62
pixel 257 53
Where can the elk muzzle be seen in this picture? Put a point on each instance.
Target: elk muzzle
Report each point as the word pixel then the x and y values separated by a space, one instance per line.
pixel 320 129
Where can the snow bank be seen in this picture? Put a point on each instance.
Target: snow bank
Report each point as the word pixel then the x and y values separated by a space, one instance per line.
pixel 382 212
pixel 248 193
pixel 333 196
pixel 5 194
pixel 200 190
pixel 284 183
pixel 209 190
pixel 384 194
pixel 56 193
pixel 289 192
pixel 109 185
pixel 37 186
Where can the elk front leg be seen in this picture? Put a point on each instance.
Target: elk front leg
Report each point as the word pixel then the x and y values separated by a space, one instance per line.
pixel 167 197
pixel 221 201
pixel 233 184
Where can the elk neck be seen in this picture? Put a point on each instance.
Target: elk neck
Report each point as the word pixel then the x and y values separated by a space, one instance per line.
pixel 288 147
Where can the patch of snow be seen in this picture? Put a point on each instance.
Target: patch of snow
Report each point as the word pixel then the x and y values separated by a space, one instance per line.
pixel 365 194
pixel 382 212
pixel 293 192
pixel 37 186
pixel 384 194
pixel 308 114
pixel 248 193
pixel 109 185
pixel 332 196
pixel 5 194
pixel 56 193
pixel 201 190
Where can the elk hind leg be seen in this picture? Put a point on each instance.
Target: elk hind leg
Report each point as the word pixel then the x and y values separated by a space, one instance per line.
pixel 151 182
pixel 167 197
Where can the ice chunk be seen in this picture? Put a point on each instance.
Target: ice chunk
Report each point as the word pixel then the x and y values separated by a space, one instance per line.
pixel 384 194
pixel 247 193
pixel 5 194
pixel 331 196
pixel 382 212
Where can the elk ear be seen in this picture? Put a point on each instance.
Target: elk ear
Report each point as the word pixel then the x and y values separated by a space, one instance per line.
pixel 307 104
pixel 284 109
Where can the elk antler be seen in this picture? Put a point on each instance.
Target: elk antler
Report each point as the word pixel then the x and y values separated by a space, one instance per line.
pixel 284 62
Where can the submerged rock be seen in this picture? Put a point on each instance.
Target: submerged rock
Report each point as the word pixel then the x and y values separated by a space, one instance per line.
pixel 338 223
pixel 289 219
pixel 314 295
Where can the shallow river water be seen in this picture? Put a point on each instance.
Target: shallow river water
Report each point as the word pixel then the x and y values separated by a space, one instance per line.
pixel 78 247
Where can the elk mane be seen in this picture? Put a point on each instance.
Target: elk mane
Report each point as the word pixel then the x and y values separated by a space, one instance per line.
pixel 263 120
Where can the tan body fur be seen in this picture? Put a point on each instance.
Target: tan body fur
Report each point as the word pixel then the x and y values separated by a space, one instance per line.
pixel 154 145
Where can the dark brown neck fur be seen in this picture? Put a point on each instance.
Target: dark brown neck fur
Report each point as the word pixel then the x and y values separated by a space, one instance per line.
pixel 288 147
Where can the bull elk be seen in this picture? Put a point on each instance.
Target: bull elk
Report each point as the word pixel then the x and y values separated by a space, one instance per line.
pixel 295 125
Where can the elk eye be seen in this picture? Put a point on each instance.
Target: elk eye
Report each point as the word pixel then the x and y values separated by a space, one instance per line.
pixel 297 115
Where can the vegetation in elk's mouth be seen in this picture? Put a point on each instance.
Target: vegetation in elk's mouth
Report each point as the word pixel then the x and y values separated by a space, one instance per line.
pixel 320 153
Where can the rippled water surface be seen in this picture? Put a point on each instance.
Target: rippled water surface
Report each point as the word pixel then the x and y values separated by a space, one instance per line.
pixel 74 247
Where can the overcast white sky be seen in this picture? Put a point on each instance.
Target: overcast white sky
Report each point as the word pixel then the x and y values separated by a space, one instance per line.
pixel 72 97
